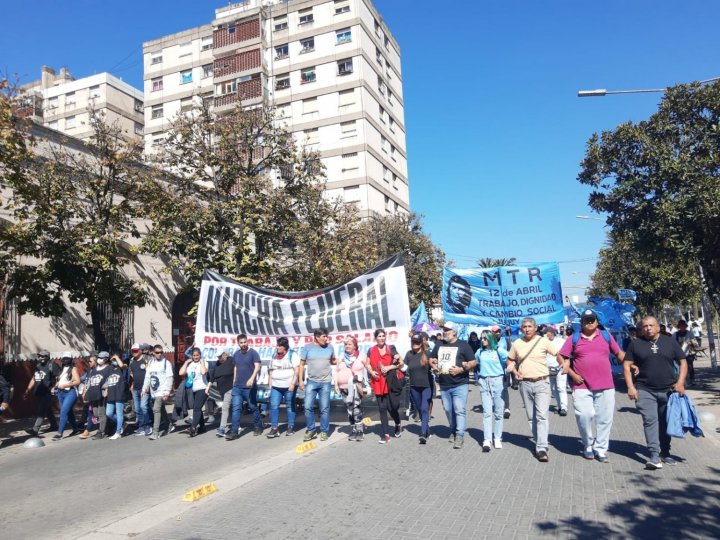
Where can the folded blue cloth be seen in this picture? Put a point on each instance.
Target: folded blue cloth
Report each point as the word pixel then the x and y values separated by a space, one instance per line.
pixel 682 417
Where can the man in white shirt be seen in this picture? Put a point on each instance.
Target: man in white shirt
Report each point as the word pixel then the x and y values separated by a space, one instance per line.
pixel 558 379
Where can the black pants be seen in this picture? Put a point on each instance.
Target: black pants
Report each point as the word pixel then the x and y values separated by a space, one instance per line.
pixel 388 403
pixel 44 410
pixel 199 397
pixel 690 359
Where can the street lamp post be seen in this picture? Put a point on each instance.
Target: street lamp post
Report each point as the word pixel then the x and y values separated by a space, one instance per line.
pixel 706 304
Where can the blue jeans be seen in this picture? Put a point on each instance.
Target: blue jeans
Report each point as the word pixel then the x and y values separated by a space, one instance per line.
pixel 238 396
pixel 115 410
pixel 319 390
pixel 278 395
pixel 422 397
pixel 67 400
pixel 454 401
pixel 143 410
pixel 491 392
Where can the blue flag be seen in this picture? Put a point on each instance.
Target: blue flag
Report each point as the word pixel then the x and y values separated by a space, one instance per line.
pixel 612 314
pixel 503 295
pixel 419 315
pixel 626 294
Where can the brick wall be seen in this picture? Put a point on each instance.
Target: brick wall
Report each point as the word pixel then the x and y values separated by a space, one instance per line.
pixel 237 33
pixel 237 63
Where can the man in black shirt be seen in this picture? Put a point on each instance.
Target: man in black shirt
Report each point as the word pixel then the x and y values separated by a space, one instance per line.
pixel 141 403
pixel 656 355
pixel 454 359
pixel 42 384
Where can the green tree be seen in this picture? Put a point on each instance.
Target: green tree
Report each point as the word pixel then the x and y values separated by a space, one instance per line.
pixel 489 262
pixel 247 202
pixel 657 282
pixel 70 220
pixel 424 261
pixel 659 182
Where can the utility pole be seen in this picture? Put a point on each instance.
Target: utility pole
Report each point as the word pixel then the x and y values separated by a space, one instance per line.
pixel 708 320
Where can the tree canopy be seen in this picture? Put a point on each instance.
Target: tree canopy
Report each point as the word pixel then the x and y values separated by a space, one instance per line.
pixel 659 182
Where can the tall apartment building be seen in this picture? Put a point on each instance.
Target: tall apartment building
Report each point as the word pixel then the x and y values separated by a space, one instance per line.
pixel 332 69
pixel 60 102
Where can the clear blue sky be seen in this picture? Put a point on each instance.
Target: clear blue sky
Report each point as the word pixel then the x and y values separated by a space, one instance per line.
pixel 495 132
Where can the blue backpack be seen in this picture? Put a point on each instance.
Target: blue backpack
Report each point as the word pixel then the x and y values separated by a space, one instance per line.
pixel 576 337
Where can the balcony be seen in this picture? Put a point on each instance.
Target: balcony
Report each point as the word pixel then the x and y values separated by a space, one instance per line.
pixel 237 63
pixel 237 33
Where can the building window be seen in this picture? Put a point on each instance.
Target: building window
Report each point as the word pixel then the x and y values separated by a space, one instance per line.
pixel 387 43
pixel 186 76
pixel 389 97
pixel 312 136
pixel 281 51
pixel 94 92
pixel 378 56
pixel 206 43
pixel 186 104
pixel 185 49
pixel 392 124
pixel 344 36
pixel 386 174
pixel 307 75
pixel 138 128
pixel 280 23
pixel 139 106
pixel 307 45
pixel 70 122
pixel 351 194
pixel 393 153
pixel 345 67
pixel 346 97
pixel 388 204
pixel 282 83
pixel 52 103
pixel 348 129
pixel 383 143
pixel 156 58
pixel 394 182
pixel 157 84
pixel 350 162
pixel 207 71
pixel 227 87
pixel 341 6
pixel 157 141
pixel 310 106
pixel 53 124
pixel 157 112
pixel 377 27
pixel 306 16
pixel 383 114
pixel 207 99
pixel 70 99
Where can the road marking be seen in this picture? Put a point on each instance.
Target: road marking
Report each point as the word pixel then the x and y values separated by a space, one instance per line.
pixel 199 492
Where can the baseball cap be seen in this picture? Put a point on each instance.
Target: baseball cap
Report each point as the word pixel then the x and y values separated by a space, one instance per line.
pixel 135 347
pixel 495 328
pixel 450 326
pixel 588 314
pixel 416 338
pixel 424 335
pixel 103 354
pixel 44 353
pixel 67 354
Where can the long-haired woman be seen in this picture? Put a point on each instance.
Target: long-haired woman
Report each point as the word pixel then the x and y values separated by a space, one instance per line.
pixel 492 361
pixel 421 382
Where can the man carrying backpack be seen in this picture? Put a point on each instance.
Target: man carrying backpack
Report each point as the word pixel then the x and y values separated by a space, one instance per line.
pixel 592 383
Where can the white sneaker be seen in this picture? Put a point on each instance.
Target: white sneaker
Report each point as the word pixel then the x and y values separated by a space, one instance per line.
pixel 115 437
pixel 498 443
pixel 486 446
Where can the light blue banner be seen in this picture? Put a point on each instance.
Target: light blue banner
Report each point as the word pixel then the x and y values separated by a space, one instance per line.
pixel 626 294
pixel 503 295
pixel 612 314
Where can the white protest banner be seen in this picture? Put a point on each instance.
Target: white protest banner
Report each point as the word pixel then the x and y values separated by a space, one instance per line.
pixel 376 299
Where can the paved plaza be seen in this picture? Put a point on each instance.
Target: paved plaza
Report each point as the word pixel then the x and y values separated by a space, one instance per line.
pixel 341 489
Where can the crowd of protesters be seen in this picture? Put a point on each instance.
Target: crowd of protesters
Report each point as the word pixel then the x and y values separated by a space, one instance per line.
pixel 118 397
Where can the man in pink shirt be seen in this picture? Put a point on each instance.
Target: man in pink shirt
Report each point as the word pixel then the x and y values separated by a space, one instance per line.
pixel 592 382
